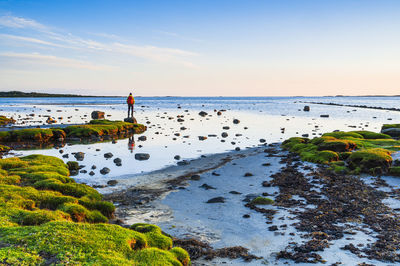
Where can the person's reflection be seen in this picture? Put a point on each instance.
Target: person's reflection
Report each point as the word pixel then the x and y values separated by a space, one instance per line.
pixel 131 143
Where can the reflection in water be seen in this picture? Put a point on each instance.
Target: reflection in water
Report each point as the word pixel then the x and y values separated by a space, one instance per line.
pixel 131 143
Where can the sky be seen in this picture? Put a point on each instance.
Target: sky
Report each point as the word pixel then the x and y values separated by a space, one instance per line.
pixel 201 47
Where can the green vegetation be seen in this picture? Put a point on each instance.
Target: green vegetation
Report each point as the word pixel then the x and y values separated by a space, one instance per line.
pixel 262 201
pixel 95 128
pixel 104 127
pixel 5 120
pixel 47 218
pixel 4 148
pixel 348 152
pixel 386 126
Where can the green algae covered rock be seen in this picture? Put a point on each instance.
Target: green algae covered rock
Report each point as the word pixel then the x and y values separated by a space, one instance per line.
pixel 352 152
pixel 5 120
pixel 262 201
pixel 47 218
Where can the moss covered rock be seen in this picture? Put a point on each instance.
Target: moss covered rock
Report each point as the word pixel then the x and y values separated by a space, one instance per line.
pixel 371 160
pixel 47 218
pixel 5 120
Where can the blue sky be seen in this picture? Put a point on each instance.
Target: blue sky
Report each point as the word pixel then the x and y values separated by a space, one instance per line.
pixel 201 48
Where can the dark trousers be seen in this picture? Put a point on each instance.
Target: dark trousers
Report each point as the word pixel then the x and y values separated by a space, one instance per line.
pixel 130 110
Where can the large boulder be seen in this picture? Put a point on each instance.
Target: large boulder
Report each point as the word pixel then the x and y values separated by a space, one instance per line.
pixel 97 115
pixel 393 132
pixel 130 120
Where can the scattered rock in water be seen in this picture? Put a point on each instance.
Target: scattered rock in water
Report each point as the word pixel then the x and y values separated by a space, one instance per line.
pixel 246 216
pixel 248 174
pixel 234 192
pixel 206 187
pixel 108 155
pixel 83 171
pixel 105 171
pixel 117 161
pixel 91 173
pixel 142 156
pixel 195 177
pixel 79 156
pixel 97 115
pixel 224 134
pixel 94 167
pixel 324 116
pixel 306 108
pixel 266 164
pixel 202 137
pixel 236 121
pixel 237 149
pixel 177 157
pixel 73 166
pixel 132 120
pixel 203 114
pixel 112 182
pixel 215 174
pixel 225 127
pixel 262 140
pixel 216 200
pixel 273 228
pixel 65 156
pixel 184 162
pixel 142 138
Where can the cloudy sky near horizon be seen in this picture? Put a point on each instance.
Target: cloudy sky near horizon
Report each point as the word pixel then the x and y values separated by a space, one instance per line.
pixel 201 48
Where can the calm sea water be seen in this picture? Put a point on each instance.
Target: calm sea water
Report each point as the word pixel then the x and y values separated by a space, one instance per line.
pixel 271 118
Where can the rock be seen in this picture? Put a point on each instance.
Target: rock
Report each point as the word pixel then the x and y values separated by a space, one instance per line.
pixel 273 228
pixel 91 173
pixel 97 115
pixel 225 127
pixel 142 156
pixel 108 155
pixel 262 140
pixel 184 162
pixel 131 120
pixel 112 182
pixel 216 200
pixel 142 138
pixel 248 174
pixel 177 157
pixel 206 187
pixel 105 171
pixel 203 114
pixel 306 108
pixel 324 115
pixel 224 134
pixel 83 171
pixel 94 167
pixel 195 177
pixel 246 216
pixel 113 141
pixel 79 156
pixel 65 156
pixel 73 166
pixel 180 120
pixel 234 192
pixel 50 120
pixel 202 137
pixel 236 121
pixel 219 113
pixel 117 161
pixel 393 132
pixel 237 149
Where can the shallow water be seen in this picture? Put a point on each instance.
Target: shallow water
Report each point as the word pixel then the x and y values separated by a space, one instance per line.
pixel 269 118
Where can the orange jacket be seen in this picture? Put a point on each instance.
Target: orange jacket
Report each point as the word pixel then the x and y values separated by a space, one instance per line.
pixel 130 100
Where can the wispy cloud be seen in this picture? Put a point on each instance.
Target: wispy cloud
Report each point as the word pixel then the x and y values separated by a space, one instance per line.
pixel 178 36
pixel 40 59
pixel 47 36
pixel 19 22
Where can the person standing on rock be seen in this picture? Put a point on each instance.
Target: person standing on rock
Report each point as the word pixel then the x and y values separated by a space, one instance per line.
pixel 130 101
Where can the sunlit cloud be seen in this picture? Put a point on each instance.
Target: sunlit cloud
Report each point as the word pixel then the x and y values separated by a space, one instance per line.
pixel 19 22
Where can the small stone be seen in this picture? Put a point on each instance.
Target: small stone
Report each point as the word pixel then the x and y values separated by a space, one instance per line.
pixel 195 177
pixel 177 157
pixel 94 167
pixel 105 171
pixel 248 174
pixel 142 156
pixel 142 138
pixel 117 161
pixel 246 216
pixel 203 114
pixel 224 134
pixel 202 137
pixel 91 173
pixel 108 155
pixel 273 228
pixel 79 156
pixel 112 182
pixel 216 200
pixel 236 121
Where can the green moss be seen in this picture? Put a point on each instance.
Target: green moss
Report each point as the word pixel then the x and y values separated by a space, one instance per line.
pixel 64 222
pixel 341 135
pixel 4 148
pixel 372 135
pixel 83 244
pixel 368 160
pixel 72 165
pixel 337 145
pixel 262 201
pixel 5 120
pixel 386 126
